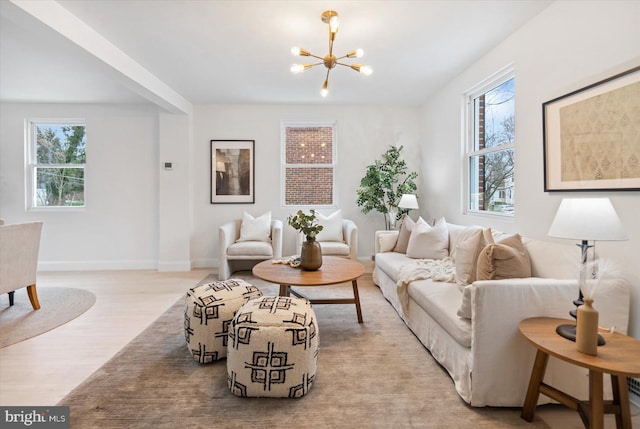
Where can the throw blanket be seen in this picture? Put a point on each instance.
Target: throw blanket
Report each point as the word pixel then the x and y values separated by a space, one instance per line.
pixel 438 270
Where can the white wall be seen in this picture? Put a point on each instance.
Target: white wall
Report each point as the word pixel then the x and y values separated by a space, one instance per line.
pixel 118 228
pixel 364 133
pixel 568 46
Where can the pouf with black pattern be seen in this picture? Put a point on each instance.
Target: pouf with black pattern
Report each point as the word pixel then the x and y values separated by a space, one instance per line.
pixel 209 309
pixel 273 348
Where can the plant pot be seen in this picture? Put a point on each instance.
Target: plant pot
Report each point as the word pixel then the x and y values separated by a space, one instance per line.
pixel 310 255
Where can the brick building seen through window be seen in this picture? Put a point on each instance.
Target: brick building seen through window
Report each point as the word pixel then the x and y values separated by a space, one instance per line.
pixel 309 165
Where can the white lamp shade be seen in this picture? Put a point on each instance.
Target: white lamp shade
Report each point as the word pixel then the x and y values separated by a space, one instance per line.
pixel 587 219
pixel 408 201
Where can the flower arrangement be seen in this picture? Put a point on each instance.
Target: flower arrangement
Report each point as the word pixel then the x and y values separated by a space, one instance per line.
pixel 595 272
pixel 305 223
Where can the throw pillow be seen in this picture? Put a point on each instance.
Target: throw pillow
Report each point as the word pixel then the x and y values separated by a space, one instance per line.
pixel 505 259
pixel 255 229
pixel 386 242
pixel 405 233
pixel 331 227
pixel 457 236
pixel 467 253
pixel 429 242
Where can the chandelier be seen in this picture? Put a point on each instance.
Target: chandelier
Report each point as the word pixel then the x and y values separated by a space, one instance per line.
pixel 329 17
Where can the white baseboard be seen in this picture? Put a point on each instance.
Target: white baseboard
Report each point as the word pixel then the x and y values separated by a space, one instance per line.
pixel 205 263
pixel 97 265
pixel 174 266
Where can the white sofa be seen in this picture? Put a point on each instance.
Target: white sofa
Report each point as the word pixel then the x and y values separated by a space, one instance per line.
pixel 487 358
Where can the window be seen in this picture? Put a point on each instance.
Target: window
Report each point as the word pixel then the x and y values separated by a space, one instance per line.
pixel 491 146
pixel 309 164
pixel 56 163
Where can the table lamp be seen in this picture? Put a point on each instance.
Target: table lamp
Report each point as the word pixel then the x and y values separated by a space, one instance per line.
pixel 587 220
pixel 408 202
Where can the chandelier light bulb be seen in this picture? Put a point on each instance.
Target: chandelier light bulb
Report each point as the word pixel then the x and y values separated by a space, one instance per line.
pixel 325 88
pixel 359 53
pixel 297 68
pixel 366 70
pixel 334 22
pixel 297 51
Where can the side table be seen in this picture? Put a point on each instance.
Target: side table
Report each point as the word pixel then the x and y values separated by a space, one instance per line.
pixel 620 357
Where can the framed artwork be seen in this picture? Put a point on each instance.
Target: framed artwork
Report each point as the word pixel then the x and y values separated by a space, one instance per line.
pixel 592 137
pixel 232 171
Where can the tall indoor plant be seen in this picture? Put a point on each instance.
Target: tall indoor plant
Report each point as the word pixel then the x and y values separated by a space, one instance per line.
pixel 307 224
pixel 384 183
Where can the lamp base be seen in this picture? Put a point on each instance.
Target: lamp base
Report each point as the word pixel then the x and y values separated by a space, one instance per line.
pixel 569 332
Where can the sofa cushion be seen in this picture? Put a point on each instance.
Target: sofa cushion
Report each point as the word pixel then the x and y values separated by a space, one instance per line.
pixel 391 262
pixel 404 235
pixel 553 260
pixel 331 227
pixel 505 259
pixel 441 301
pixel 429 242
pixel 255 229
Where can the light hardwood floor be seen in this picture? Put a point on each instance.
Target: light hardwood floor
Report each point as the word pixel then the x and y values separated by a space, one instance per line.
pixel 44 369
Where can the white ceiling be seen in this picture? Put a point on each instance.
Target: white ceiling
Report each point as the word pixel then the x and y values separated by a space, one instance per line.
pixel 239 51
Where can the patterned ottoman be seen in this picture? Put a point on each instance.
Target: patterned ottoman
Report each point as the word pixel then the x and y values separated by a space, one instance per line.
pixel 209 309
pixel 273 348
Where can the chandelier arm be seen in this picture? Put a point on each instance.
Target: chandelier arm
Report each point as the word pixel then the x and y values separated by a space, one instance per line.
pixel 331 37
pixel 315 56
pixel 343 64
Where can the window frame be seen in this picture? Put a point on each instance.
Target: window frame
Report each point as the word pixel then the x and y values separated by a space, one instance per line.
pixel 468 142
pixel 283 161
pixel 31 164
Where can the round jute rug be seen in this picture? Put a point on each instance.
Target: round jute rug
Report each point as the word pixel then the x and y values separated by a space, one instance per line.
pixel 57 306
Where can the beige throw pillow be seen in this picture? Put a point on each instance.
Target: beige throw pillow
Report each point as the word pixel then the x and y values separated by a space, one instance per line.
pixel 331 227
pixel 429 242
pixel 405 234
pixel 386 242
pixel 506 259
pixel 458 236
pixel 467 253
pixel 255 229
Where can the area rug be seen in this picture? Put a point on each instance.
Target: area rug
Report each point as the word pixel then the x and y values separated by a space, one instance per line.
pixel 57 306
pixel 375 374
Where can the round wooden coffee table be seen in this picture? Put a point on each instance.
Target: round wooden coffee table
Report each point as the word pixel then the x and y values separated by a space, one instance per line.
pixel 334 270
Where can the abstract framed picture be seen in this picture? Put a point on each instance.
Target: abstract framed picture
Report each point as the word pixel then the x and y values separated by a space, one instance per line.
pixel 592 137
pixel 232 171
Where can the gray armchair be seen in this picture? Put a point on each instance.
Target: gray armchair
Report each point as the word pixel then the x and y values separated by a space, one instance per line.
pixel 19 247
pixel 243 255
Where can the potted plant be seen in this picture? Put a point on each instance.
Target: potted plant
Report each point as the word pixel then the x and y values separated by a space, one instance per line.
pixel 307 224
pixel 384 183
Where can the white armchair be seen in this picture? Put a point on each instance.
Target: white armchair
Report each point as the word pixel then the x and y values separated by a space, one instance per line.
pixel 347 247
pixel 19 247
pixel 243 255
